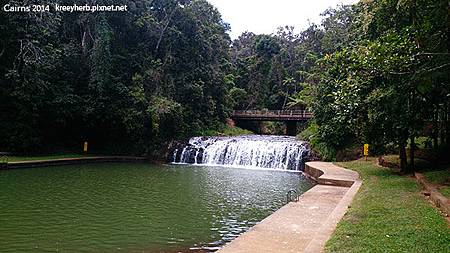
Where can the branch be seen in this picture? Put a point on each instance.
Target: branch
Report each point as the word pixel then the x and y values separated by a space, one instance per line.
pixel 425 54
pixel 164 29
pixel 3 49
pixel 433 69
pixel 401 73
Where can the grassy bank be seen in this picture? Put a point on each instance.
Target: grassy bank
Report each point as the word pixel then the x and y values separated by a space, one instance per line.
pixel 436 174
pixel 420 164
pixel 225 130
pixel 389 215
pixel 441 178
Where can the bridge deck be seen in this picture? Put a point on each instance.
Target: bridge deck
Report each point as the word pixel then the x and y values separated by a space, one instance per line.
pixel 272 115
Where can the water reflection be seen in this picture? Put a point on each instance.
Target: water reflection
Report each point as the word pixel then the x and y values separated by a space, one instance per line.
pixel 135 207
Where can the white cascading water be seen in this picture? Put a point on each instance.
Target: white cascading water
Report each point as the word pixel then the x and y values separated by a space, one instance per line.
pixel 254 151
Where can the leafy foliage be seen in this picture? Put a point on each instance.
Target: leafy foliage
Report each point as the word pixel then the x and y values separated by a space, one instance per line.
pixel 131 79
pixel 382 87
pixel 374 72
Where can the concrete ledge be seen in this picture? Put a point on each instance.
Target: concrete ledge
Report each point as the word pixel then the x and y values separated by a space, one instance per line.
pixel 438 199
pixel 68 161
pixel 330 174
pixel 306 225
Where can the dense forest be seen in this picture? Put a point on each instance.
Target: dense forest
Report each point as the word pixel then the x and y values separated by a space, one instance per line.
pixel 375 72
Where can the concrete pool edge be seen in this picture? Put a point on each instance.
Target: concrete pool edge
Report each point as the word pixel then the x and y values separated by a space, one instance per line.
pixel 306 225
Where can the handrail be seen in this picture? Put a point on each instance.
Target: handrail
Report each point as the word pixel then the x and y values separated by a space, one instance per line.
pixel 4 159
pixel 273 113
pixel 290 197
pixel 270 111
pixel 4 162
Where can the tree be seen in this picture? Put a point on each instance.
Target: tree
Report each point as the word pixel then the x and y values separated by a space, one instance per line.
pixel 126 78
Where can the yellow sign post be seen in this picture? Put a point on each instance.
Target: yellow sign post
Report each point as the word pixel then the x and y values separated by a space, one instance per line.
pixel 366 150
pixel 85 147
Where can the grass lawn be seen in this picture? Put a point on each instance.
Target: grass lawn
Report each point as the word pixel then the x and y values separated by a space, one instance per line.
pixel 225 130
pixel 437 175
pixel 48 157
pixel 440 177
pixel 388 214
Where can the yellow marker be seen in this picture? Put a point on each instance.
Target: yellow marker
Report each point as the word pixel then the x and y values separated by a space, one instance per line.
pixel 366 150
pixel 85 147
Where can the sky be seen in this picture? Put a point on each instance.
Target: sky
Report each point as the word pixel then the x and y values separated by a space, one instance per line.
pixel 265 16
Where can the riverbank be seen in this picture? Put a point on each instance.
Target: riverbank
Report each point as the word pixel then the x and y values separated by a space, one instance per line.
pixel 389 214
pixel 45 161
pixel 15 158
pixel 228 129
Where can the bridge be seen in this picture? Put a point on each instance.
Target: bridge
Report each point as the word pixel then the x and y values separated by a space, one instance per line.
pixel 272 115
pixel 290 117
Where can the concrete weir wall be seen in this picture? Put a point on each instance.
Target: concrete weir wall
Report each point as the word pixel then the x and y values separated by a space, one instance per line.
pixel 306 225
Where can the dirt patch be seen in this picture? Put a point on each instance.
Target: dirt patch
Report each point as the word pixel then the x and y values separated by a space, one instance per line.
pixel 353 218
pixel 385 163
pixel 349 154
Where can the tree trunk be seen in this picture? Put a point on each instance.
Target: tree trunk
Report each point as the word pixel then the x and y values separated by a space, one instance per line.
pixel 403 160
pixel 444 124
pixel 435 128
pixel 447 104
pixel 163 30
pixel 285 98
pixel 412 147
pixel 447 124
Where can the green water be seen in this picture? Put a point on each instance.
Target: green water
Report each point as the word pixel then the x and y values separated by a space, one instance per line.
pixel 135 207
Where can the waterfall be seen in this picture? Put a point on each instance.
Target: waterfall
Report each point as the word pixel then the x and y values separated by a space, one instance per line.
pixel 254 151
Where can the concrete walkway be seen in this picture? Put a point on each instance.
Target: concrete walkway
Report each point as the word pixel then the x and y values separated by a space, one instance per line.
pixel 306 225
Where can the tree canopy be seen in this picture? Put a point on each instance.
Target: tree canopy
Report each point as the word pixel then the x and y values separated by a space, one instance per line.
pixel 145 76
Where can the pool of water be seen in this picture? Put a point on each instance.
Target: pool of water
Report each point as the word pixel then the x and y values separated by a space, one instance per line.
pixel 135 207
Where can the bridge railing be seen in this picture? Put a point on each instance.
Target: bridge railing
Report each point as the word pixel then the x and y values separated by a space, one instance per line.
pixel 302 113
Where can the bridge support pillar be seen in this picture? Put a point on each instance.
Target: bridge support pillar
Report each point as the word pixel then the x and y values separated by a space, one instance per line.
pixel 291 128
